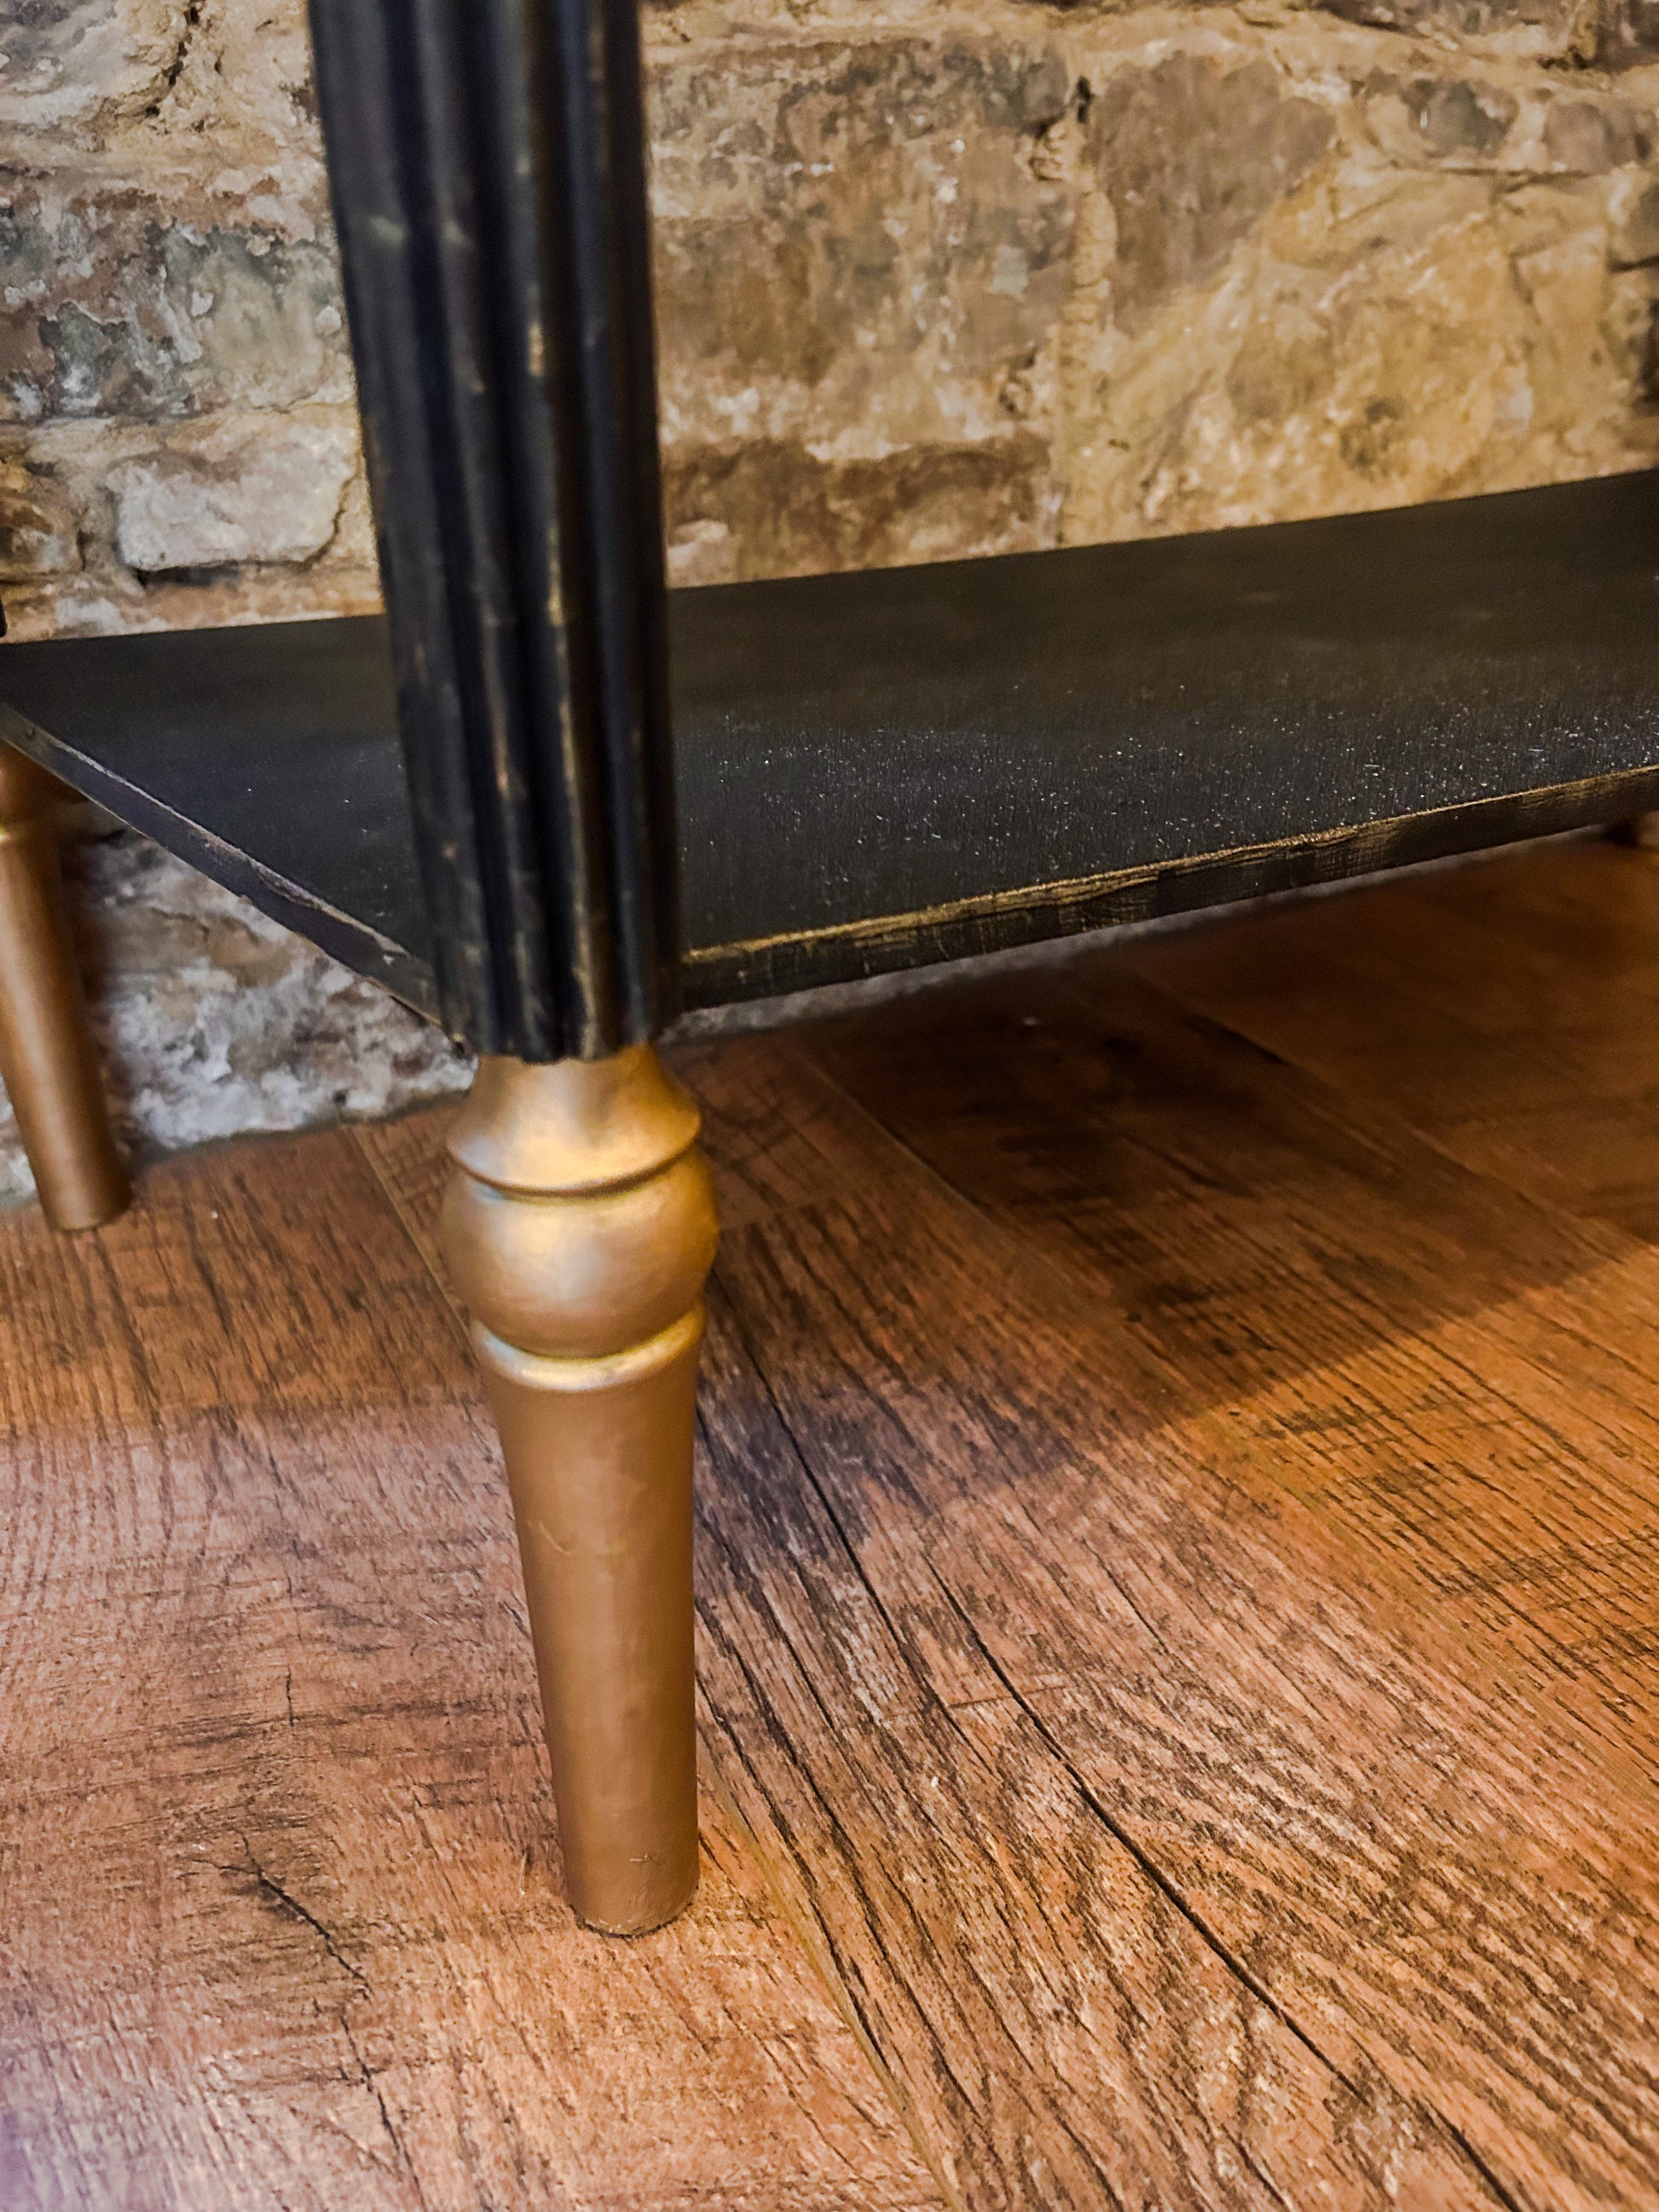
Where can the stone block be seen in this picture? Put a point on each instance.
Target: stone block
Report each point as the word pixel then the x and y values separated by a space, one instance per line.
pixel 1540 30
pixel 120 306
pixel 1195 150
pixel 853 250
pixel 80 62
pixel 772 507
pixel 38 527
pixel 1633 219
pixel 271 494
pixel 1627 34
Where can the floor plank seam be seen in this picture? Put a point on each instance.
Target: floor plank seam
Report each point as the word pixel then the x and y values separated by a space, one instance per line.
pixel 1171 1891
pixel 816 1944
pixel 835 1987
pixel 395 1199
pixel 285 1900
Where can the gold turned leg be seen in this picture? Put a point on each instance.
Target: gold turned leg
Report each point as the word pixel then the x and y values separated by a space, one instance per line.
pixel 46 1057
pixel 580 1227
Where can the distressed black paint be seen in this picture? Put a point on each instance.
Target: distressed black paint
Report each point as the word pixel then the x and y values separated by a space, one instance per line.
pixel 488 167
pixel 876 770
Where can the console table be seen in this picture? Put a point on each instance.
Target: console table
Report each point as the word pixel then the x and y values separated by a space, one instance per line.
pixel 548 804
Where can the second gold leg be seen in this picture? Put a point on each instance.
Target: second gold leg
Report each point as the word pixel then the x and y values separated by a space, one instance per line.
pixel 47 1061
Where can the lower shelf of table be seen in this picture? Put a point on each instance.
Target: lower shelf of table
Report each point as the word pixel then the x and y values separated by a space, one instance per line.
pixel 886 769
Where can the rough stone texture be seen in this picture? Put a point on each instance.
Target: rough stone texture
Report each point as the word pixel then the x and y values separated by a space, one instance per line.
pixel 177 435
pixel 935 278
pixel 213 1021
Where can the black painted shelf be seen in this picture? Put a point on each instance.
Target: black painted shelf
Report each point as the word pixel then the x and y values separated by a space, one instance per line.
pixel 902 765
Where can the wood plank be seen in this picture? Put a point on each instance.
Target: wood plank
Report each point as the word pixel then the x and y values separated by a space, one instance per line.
pixel 1505 1011
pixel 1441 1889
pixel 283 1922
pixel 1462 1379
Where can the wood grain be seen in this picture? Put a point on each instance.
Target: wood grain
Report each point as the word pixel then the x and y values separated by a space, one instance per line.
pixel 1407 1347
pixel 1176 1613
pixel 1435 1885
pixel 283 1912
pixel 1505 1011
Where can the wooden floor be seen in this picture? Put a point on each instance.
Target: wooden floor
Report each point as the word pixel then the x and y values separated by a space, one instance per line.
pixel 1179 1514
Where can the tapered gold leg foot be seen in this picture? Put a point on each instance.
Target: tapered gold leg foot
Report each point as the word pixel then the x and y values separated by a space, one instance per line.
pixel 46 1058
pixel 579 1226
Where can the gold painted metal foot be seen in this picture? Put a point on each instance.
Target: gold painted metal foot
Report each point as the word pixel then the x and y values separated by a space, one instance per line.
pixel 579 1228
pixel 46 1058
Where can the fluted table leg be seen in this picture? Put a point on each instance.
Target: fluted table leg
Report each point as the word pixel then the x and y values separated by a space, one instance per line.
pixel 580 1227
pixel 46 1058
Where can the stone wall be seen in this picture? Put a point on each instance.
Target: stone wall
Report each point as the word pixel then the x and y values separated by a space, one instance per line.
pixel 212 1021
pixel 935 277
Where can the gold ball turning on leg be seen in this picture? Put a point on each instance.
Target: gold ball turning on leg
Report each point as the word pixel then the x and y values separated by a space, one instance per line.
pixel 580 1227
pixel 46 1058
